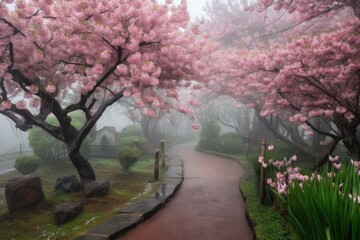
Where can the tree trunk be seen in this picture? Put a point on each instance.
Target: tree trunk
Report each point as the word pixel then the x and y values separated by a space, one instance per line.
pixel 348 132
pixel 82 165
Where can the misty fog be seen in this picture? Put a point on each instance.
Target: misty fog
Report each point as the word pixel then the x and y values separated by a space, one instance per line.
pixel 11 137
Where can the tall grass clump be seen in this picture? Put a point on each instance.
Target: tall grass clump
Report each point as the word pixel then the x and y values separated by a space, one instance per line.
pixel 325 205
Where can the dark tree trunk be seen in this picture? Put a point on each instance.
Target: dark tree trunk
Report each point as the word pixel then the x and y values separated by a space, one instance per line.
pixel 348 132
pixel 82 165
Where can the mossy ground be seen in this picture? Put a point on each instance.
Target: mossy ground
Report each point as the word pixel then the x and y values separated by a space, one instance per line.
pixel 38 222
pixel 269 224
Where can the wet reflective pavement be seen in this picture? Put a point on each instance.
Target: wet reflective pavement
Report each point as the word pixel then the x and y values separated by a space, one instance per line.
pixel 208 205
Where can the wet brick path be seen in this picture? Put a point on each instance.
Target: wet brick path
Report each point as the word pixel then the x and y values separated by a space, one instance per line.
pixel 208 205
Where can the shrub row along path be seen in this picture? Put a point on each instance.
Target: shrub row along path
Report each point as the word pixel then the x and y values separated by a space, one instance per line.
pixel 208 205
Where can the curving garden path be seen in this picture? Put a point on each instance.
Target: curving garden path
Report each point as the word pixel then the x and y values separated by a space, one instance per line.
pixel 208 205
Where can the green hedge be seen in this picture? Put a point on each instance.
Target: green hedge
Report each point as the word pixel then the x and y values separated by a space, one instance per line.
pixel 27 164
pixel 228 143
pixel 127 157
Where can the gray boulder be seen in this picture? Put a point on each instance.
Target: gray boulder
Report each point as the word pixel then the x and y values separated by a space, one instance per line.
pixel 96 188
pixel 66 212
pixel 23 191
pixel 67 184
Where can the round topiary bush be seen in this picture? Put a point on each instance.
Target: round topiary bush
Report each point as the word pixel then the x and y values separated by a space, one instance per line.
pixel 127 157
pixel 27 164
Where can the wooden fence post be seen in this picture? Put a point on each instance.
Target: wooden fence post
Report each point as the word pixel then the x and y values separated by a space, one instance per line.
pixel 262 173
pixel 162 153
pixel 156 167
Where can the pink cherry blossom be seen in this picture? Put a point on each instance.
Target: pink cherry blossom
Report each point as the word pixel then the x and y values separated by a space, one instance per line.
pixel 149 113
pixel 127 93
pixel 50 88
pixel 21 104
pixel 33 89
pixel 6 104
pixel 122 69
pixel 195 126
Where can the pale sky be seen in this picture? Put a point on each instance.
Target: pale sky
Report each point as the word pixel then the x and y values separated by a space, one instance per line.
pixel 195 7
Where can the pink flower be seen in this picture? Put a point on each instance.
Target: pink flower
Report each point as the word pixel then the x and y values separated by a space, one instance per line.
pixel 127 93
pixel 270 147
pixel 134 58
pixel 149 113
pixel 194 102
pixel 337 165
pixel 122 69
pixel 33 89
pixel 195 126
pixel 260 159
pixel 21 104
pixel 309 132
pixel 333 159
pixel 140 104
pixel 154 81
pixel 340 109
pixel 35 103
pixel 156 103
pixel 182 109
pixel 50 88
pixel 6 104
pixel 281 188
pixel 105 55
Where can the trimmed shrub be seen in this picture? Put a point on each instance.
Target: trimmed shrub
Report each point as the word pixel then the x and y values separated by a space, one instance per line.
pixel 27 164
pixel 127 157
pixel 209 144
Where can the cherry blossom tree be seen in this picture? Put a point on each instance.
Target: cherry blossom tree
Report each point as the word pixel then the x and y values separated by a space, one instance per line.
pixel 312 76
pixel 230 23
pixel 100 51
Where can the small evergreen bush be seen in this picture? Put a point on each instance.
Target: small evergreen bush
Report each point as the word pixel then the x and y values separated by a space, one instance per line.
pixel 209 144
pixel 210 129
pixel 27 164
pixel 127 157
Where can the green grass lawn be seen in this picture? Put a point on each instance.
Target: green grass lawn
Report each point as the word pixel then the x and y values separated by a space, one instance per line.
pixel 38 222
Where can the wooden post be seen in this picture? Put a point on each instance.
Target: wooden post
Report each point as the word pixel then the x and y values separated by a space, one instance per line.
pixel 156 167
pixel 262 173
pixel 135 143
pixel 20 150
pixel 162 151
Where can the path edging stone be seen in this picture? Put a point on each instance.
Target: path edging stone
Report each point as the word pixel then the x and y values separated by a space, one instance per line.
pixel 134 213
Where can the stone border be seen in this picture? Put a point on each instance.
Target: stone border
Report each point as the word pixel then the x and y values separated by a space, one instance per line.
pixel 134 213
pixel 251 223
